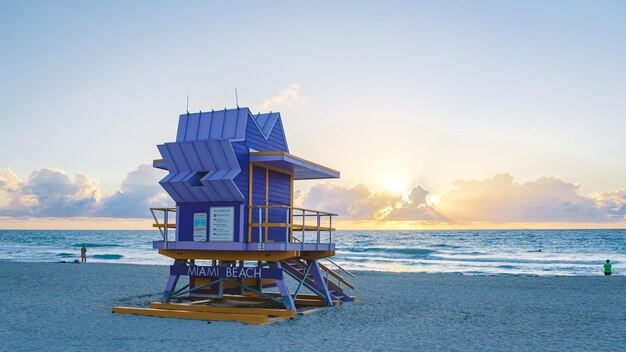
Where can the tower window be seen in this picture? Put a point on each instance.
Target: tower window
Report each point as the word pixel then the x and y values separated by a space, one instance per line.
pixel 194 181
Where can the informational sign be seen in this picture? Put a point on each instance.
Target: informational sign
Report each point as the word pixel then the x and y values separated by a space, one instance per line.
pixel 227 271
pixel 222 224
pixel 199 226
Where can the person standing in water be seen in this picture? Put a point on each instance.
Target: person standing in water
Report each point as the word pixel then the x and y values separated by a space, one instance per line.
pixel 608 268
pixel 83 254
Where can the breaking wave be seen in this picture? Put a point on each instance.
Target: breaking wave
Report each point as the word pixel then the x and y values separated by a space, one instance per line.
pixel 412 252
pixel 107 256
pixel 88 245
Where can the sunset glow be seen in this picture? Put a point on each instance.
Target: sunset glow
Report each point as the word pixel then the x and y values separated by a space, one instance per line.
pixel 435 118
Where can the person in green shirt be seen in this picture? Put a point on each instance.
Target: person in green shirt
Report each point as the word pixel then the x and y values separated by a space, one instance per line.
pixel 608 267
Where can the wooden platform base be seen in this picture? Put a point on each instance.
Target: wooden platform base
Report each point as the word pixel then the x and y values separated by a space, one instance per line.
pixel 200 311
pixel 230 310
pixel 301 301
pixel 186 314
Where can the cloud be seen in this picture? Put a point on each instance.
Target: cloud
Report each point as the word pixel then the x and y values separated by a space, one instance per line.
pixel 415 207
pixel 9 184
pixel 47 192
pixel 356 202
pixel 500 199
pixel 613 202
pixel 52 193
pixel 495 200
pixel 359 203
pixel 140 191
pixel 289 95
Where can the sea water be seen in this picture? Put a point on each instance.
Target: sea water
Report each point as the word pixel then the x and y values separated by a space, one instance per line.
pixel 505 252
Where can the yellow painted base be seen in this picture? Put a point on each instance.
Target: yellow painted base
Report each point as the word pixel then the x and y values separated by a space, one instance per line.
pixel 248 313
pixel 232 310
pixel 272 256
pixel 301 301
pixel 310 255
pixel 186 314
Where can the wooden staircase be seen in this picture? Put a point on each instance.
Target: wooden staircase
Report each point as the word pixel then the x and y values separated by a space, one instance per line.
pixel 333 280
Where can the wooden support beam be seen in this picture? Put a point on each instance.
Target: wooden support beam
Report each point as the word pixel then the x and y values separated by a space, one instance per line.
pixel 298 227
pixel 202 301
pixel 272 256
pixel 313 302
pixel 301 295
pixel 247 296
pixel 166 313
pixel 308 300
pixel 231 310
pixel 294 227
pixel 335 275
pixel 309 311
pixel 161 226
pixel 311 255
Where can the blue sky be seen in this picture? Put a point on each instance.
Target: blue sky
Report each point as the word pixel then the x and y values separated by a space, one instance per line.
pixel 394 94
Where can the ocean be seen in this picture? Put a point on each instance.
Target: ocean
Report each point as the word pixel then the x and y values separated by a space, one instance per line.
pixel 472 252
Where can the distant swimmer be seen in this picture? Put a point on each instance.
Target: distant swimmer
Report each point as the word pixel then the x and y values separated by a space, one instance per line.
pixel 83 254
pixel 608 268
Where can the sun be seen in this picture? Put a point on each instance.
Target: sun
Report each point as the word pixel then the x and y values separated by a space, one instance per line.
pixel 434 199
pixel 395 184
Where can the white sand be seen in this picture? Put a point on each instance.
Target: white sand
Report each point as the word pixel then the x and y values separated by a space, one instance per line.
pixel 62 307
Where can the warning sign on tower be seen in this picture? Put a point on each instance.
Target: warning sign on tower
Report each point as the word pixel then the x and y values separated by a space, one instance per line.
pixel 222 224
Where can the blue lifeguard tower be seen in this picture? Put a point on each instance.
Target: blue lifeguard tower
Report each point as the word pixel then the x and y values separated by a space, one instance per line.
pixel 243 251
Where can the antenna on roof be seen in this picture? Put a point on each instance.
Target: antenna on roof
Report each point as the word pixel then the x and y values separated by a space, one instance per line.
pixel 236 99
pixel 187 104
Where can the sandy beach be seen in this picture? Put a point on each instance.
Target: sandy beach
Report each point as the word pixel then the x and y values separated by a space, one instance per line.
pixel 63 307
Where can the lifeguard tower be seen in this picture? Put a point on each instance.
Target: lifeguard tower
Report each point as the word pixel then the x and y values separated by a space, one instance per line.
pixel 241 250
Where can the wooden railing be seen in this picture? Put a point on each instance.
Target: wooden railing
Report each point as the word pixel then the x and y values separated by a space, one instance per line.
pixel 289 224
pixel 322 223
pixel 165 225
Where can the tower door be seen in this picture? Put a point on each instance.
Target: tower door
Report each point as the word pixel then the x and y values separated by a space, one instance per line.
pixel 273 188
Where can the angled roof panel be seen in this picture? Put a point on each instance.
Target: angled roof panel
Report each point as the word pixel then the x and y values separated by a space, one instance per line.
pixel 183 191
pixel 170 190
pixel 221 124
pixel 242 119
pixel 191 156
pixel 229 128
pixel 216 127
pixel 199 155
pixel 179 176
pixel 192 127
pixel 225 124
pixel 209 191
pixel 266 122
pixel 202 163
pixel 215 154
pixel 205 156
pixel 177 157
pixel 182 127
pixel 201 171
pixel 167 158
pixel 204 128
pixel 302 169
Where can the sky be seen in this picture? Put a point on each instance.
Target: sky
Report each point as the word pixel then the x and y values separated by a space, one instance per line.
pixel 439 114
